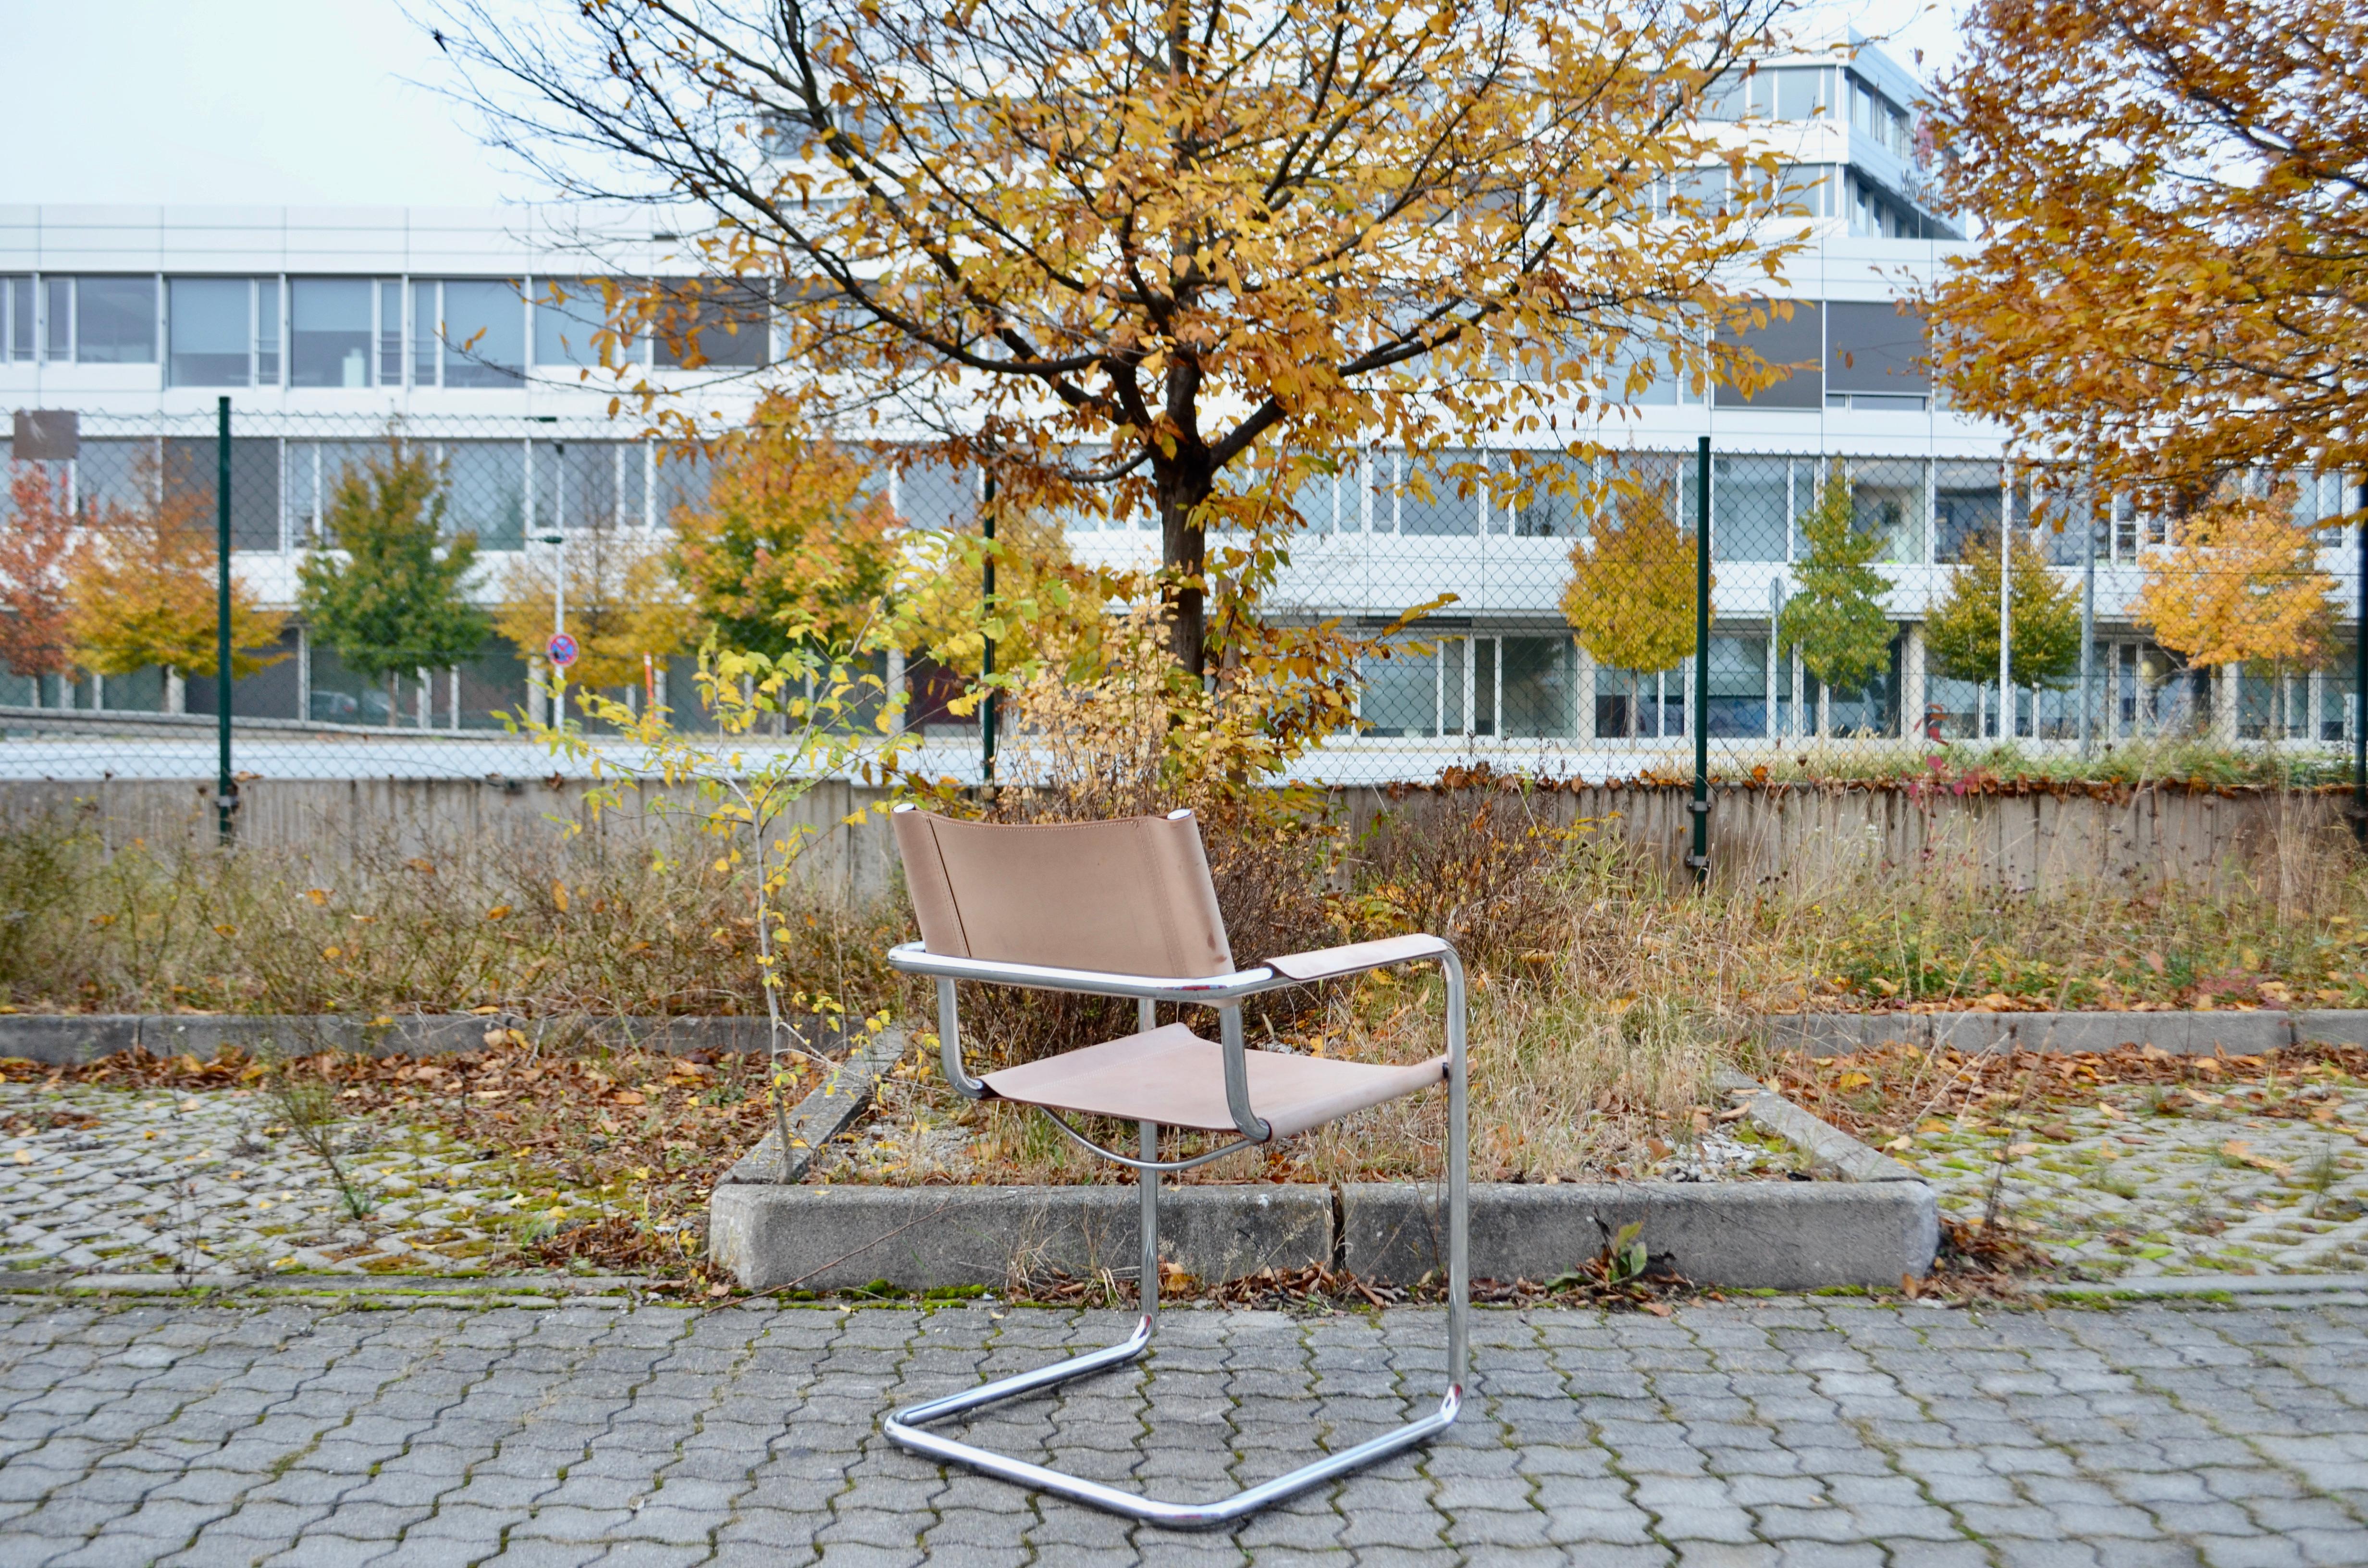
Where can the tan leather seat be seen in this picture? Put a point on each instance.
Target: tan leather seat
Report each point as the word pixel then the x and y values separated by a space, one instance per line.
pixel 1174 1077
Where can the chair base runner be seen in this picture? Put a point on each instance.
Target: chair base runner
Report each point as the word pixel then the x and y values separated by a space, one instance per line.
pixel 905 1430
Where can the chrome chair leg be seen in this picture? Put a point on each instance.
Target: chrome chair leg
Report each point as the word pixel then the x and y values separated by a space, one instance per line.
pixel 908 1427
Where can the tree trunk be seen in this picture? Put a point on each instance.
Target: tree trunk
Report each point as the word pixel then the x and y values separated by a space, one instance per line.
pixel 1184 482
pixel 393 700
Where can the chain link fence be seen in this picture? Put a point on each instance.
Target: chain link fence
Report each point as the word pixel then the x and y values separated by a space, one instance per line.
pixel 1845 624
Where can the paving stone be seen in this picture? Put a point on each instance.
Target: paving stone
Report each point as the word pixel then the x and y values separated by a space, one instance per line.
pixel 2240 1439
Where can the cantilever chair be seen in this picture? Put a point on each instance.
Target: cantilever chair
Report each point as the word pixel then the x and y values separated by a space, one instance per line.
pixel 1126 908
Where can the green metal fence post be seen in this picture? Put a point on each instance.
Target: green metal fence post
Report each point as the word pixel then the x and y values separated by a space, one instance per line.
pixel 986 664
pixel 1700 858
pixel 225 786
pixel 2359 684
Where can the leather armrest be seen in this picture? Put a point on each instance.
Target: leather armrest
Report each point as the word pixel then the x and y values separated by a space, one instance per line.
pixel 1325 963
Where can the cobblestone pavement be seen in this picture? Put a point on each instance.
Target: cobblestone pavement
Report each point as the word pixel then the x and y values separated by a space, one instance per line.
pixel 2155 1180
pixel 1826 1432
pixel 145 1181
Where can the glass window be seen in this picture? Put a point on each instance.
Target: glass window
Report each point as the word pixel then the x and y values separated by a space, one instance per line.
pixel 1795 347
pixel 1643 357
pixel 1540 686
pixel 1801 92
pixel 1876 352
pixel 718 322
pixel 682 481
pixel 19 325
pixel 115 320
pixel 1447 510
pixel 486 483
pixel 1556 509
pixel 1887 498
pixel 1736 701
pixel 568 313
pixel 267 332
pixel 390 334
pixel 1966 507
pixel 1704 189
pixel 931 495
pixel 115 473
pixel 314 470
pixel 576 485
pixel 57 319
pixel 190 469
pixel 329 332
pixel 484 334
pixel 210 331
pixel 424 315
pixel 1401 696
pixel 1725 97
pixel 1750 510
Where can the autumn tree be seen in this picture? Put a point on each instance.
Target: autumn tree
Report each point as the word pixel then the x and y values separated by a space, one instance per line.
pixel 390 597
pixel 1171 258
pixel 791 532
pixel 1834 617
pixel 141 591
pixel 622 603
pixel 2174 277
pixel 1630 600
pixel 1961 632
pixel 36 554
pixel 2239 583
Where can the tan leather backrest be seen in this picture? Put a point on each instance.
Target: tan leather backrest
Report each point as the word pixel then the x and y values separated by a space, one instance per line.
pixel 1130 896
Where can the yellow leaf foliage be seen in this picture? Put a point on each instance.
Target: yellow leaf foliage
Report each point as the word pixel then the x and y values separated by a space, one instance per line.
pixel 142 588
pixel 2241 584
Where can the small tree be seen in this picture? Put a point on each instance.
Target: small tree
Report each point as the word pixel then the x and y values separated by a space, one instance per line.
pixel 1835 617
pixel 1961 635
pixel 141 594
pixel 36 557
pixel 787 533
pixel 1630 601
pixel 390 597
pixel 2241 584
pixel 621 603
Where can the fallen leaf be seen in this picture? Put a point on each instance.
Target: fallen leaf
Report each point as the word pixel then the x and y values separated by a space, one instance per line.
pixel 629 1096
pixel 24 1157
pixel 2058 1131
pixel 2016 1151
pixel 1853 1081
pixel 1657 1148
pixel 1659 1309
pixel 498 912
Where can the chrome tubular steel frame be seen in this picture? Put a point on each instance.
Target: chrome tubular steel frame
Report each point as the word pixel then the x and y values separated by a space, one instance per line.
pixel 908 1427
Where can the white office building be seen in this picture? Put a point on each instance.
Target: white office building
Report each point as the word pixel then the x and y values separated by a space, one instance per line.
pixel 323 325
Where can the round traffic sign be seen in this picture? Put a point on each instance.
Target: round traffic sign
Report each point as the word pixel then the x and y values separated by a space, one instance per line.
pixel 562 649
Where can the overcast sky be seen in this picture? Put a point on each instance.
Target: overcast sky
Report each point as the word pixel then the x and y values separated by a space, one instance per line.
pixel 294 102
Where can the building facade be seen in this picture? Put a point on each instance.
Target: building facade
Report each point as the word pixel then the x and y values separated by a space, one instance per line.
pixel 470 329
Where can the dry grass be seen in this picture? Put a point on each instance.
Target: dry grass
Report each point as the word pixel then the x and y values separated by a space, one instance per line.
pixel 532 925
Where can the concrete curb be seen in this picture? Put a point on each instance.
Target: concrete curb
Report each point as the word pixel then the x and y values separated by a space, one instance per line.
pixel 1828 1148
pixel 70 1040
pixel 2182 1034
pixel 65 1039
pixel 828 1110
pixel 922 1238
pixel 2171 1287
pixel 1770 1235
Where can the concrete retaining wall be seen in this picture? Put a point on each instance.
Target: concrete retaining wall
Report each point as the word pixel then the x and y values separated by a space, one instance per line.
pixel 1799 836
